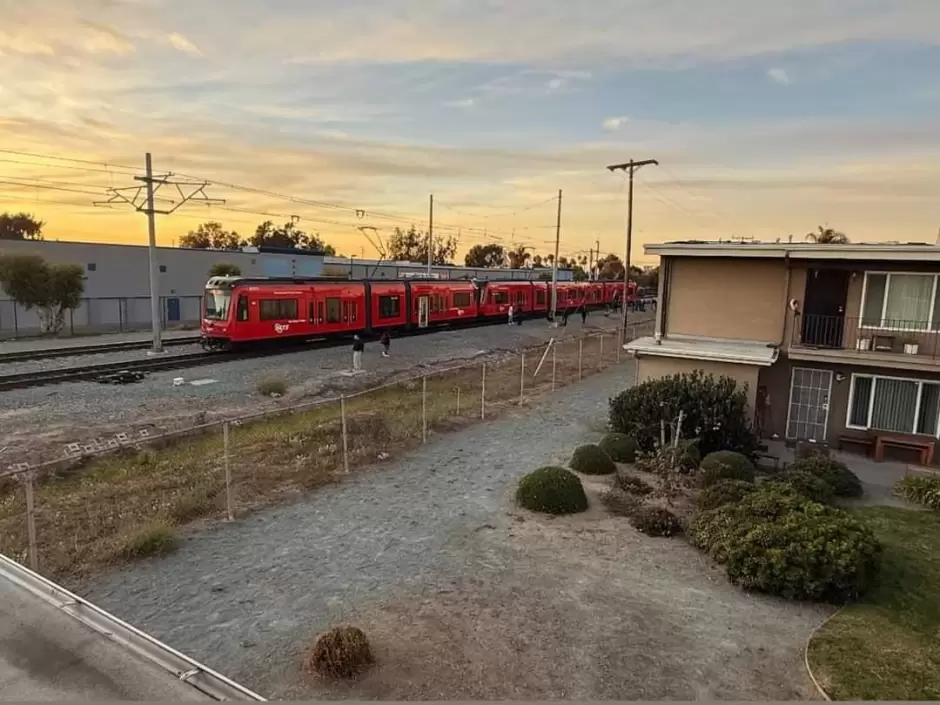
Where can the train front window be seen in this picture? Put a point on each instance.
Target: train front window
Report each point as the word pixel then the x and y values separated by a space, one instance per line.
pixel 217 303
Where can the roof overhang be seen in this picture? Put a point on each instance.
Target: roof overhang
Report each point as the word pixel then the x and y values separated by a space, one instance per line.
pixel 886 252
pixel 741 352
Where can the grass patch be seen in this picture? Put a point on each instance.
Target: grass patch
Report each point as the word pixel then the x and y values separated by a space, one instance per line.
pixel 887 646
pixel 154 540
pixel 271 387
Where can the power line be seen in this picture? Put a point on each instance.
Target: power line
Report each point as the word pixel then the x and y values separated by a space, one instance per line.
pixel 51 188
pixel 65 159
pixel 65 166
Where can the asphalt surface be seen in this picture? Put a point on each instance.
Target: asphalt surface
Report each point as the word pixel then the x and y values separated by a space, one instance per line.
pixel 48 656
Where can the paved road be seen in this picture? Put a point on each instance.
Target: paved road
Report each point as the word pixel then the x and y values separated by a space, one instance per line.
pixel 48 656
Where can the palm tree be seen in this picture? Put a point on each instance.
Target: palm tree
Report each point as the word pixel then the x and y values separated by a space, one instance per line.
pixel 518 257
pixel 827 236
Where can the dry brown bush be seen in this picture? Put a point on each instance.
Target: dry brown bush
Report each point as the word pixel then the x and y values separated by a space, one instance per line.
pixel 341 652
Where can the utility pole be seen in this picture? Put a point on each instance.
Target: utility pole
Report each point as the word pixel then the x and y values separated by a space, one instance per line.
pixel 151 185
pixel 555 261
pixel 597 258
pixel 430 232
pixel 632 167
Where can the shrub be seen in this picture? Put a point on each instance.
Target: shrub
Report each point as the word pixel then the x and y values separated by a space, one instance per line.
pixel 552 490
pixel 726 465
pixel 682 458
pixel 715 410
pixel 655 521
pixel 815 554
pixel 271 387
pixel 920 490
pixel 620 503
pixel 152 540
pixel 591 460
pixel 724 492
pixel 810 486
pixel 632 485
pixel 844 482
pixel 342 652
pixel 619 446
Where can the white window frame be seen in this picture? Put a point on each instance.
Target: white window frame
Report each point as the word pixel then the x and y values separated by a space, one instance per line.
pixel 871 404
pixel 884 302
pixel 828 397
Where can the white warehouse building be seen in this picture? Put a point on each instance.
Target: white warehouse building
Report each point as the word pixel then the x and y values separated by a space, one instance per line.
pixel 117 280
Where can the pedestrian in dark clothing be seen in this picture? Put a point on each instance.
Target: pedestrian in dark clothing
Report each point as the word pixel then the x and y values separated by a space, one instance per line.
pixel 564 317
pixel 386 342
pixel 358 348
pixel 583 315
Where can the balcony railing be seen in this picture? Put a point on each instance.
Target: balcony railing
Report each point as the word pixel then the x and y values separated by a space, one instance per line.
pixel 900 337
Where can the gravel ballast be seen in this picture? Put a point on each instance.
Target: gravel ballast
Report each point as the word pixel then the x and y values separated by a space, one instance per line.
pixel 463 596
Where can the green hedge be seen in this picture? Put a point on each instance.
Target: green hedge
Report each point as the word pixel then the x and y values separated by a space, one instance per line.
pixel 591 460
pixel 810 486
pixel 924 491
pixel 619 446
pixel 844 482
pixel 655 521
pixel 552 490
pixel 724 492
pixel 726 465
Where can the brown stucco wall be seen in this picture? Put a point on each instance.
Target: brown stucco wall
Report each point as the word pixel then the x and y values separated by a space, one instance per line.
pixel 651 367
pixel 741 299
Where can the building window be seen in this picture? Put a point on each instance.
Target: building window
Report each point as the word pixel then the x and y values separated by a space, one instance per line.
pixel 894 404
pixel 333 310
pixel 92 267
pixel 389 306
pixel 901 301
pixel 462 300
pixel 162 269
pixel 277 309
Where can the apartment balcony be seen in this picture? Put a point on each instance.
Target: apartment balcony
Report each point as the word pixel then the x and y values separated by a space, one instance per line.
pixel 899 344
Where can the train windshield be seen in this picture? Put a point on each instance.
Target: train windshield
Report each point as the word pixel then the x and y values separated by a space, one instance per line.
pixel 217 302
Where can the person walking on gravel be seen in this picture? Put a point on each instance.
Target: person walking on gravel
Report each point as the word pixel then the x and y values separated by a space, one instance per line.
pixel 358 347
pixel 386 342
pixel 510 314
pixel 583 313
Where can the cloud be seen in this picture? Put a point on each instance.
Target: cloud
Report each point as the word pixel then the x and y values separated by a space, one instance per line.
pixel 612 124
pixel 779 75
pixel 181 43
pixel 462 103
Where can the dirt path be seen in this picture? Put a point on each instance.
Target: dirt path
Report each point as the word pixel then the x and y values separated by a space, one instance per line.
pixel 464 597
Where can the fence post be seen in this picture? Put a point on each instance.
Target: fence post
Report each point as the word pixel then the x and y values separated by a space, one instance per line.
pixel 553 368
pixel 483 394
pixel 458 401
pixel 424 409
pixel 580 354
pixel 229 498
pixel 342 415
pixel 620 342
pixel 600 355
pixel 522 379
pixel 31 524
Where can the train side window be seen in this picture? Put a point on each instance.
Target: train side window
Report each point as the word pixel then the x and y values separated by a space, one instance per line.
pixel 352 311
pixel 462 300
pixel 333 308
pixel 501 297
pixel 278 309
pixel 539 297
pixel 345 311
pixel 319 312
pixel 520 297
pixel 311 313
pixel 241 313
pixel 389 306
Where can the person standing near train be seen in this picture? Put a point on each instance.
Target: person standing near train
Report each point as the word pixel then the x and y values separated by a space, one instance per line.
pixel 386 342
pixel 358 348
pixel 510 314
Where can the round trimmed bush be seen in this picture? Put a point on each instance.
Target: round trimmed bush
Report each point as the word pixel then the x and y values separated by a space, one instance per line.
pixel 632 485
pixel 815 554
pixel 342 652
pixel 655 521
pixel 726 465
pixel 810 486
pixel 844 482
pixel 552 490
pixel 619 446
pixel 591 460
pixel 724 492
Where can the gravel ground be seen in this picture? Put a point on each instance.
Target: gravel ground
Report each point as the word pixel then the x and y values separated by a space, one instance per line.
pixel 38 422
pixel 463 596
pixel 100 358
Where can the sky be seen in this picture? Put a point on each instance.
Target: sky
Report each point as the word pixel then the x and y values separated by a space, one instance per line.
pixel 768 119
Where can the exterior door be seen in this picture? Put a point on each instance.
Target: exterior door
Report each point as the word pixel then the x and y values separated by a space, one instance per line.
pixel 423 307
pixel 173 310
pixel 808 412
pixel 824 307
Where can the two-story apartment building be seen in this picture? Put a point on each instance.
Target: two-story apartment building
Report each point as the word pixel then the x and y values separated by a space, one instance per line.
pixel 834 342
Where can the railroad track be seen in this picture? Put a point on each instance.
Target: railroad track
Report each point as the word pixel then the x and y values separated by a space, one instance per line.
pixel 29 355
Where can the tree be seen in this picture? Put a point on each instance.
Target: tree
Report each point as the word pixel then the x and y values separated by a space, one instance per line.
pixel 51 289
pixel 486 256
pixel 578 273
pixel 412 246
pixel 537 262
pixel 518 257
pixel 224 269
pixel 212 236
pixel 610 267
pixel 289 236
pixel 20 226
pixel 827 236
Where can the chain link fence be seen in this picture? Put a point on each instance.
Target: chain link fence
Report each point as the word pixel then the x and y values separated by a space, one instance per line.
pixel 66 519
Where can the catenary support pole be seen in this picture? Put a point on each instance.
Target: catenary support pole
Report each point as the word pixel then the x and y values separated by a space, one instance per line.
pixel 555 261
pixel 155 316
pixel 430 232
